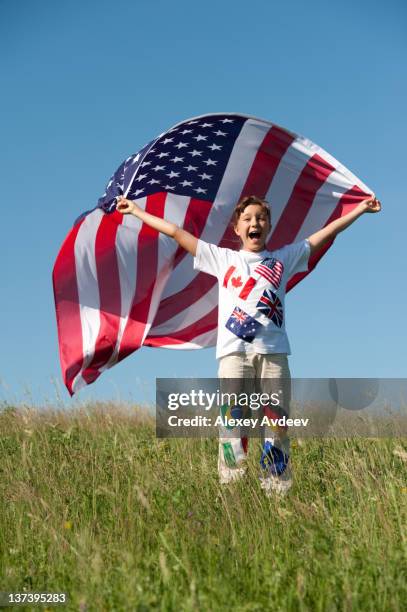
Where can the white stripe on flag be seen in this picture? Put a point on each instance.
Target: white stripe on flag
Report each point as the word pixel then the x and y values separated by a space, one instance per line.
pixel 349 177
pixel 190 315
pixel 323 205
pixel 88 289
pixel 127 253
pixel 283 183
pixel 230 189
pixel 203 340
pixel 175 210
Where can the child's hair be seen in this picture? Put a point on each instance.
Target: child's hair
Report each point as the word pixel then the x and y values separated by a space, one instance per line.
pixel 246 201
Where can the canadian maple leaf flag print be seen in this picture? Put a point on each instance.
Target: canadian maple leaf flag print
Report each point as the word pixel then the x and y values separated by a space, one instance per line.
pixel 119 285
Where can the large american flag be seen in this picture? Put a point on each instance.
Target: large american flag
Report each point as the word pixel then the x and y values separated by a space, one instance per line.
pixel 119 285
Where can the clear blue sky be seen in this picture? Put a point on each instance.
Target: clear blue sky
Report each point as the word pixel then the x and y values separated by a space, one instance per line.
pixel 85 84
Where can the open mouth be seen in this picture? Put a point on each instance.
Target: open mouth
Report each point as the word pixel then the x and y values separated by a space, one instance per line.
pixel 254 235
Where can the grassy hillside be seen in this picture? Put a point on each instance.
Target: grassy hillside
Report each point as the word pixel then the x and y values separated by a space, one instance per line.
pixel 94 505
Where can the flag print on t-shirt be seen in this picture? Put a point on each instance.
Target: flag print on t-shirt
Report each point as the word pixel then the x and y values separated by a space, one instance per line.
pixel 234 282
pixel 271 269
pixel 270 305
pixel 243 325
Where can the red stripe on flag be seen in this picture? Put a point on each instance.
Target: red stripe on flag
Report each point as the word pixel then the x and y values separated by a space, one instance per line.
pixel 207 323
pixel 67 309
pixel 250 283
pixel 194 223
pixel 312 177
pixel 147 262
pixel 272 149
pixel 174 304
pixel 347 202
pixel 109 292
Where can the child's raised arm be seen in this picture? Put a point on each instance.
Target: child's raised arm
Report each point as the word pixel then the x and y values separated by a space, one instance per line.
pixel 317 240
pixel 184 238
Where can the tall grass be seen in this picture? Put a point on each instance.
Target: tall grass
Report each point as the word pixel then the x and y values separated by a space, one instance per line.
pixel 94 505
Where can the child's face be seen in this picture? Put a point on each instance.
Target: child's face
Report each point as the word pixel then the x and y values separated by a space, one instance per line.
pixel 253 227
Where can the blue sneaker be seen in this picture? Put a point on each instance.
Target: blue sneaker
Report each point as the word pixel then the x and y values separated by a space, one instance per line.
pixel 273 461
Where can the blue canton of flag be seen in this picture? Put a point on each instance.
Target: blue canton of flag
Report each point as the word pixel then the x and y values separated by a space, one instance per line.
pixel 121 179
pixel 270 305
pixel 243 325
pixel 188 160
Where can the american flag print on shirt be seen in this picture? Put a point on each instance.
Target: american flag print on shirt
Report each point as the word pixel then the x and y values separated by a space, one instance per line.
pixel 272 270
pixel 119 285
pixel 243 325
pixel 271 306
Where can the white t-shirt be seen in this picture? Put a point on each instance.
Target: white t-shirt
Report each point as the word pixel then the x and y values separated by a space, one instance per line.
pixel 251 295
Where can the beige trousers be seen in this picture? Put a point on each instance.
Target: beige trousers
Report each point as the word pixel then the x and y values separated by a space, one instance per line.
pixel 254 373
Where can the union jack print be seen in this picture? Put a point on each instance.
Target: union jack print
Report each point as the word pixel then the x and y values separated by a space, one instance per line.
pixel 271 306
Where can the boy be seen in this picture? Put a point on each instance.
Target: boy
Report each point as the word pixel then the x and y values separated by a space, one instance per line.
pixel 252 342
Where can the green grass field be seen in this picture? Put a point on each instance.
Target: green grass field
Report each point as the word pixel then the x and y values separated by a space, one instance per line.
pixel 94 505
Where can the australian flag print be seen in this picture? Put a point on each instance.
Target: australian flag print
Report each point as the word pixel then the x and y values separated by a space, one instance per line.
pixel 243 325
pixel 270 305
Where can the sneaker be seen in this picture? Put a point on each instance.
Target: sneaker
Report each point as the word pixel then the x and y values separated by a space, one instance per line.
pixel 274 460
pixel 227 475
pixel 277 485
pixel 232 472
pixel 276 472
